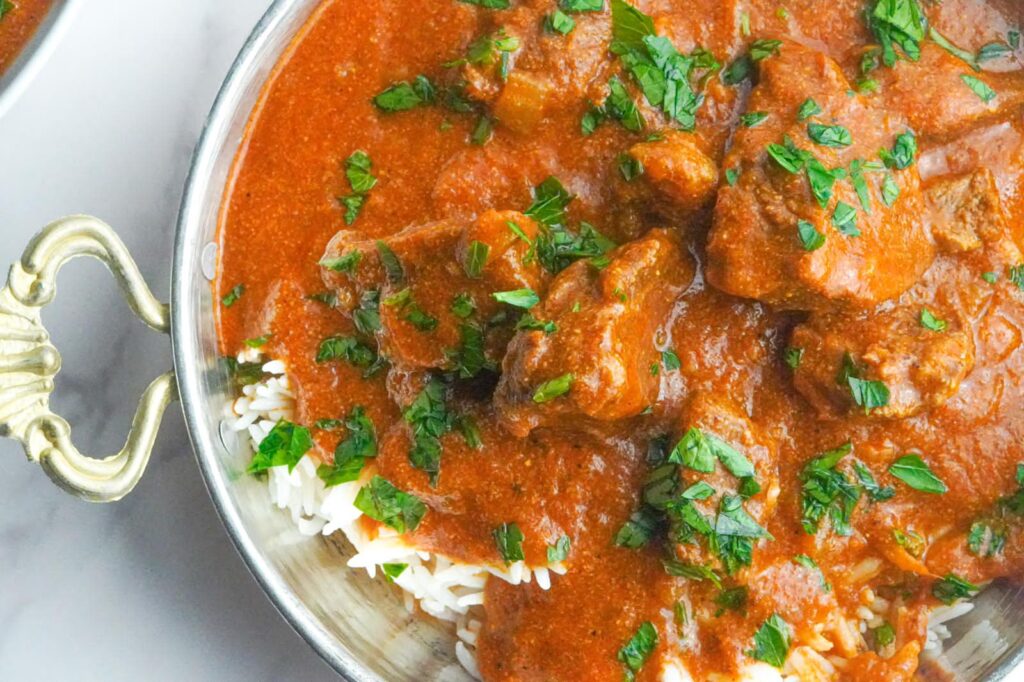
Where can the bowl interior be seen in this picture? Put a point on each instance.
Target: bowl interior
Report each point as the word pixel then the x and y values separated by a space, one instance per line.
pixel 359 625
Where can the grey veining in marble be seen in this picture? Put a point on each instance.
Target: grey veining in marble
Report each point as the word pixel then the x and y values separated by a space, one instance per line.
pixel 149 588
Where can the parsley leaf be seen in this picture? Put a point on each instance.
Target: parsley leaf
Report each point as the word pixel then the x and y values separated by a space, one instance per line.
pixel 285 445
pixel 559 22
pixel 352 452
pixel 509 540
pixel 346 263
pixel 347 348
pixel 810 238
pixel 392 266
pixel 807 109
pixel 476 258
pixel 233 295
pixel 520 298
pixel 771 642
pixel 952 588
pixel 357 170
pixel 875 492
pixel 932 323
pixel 489 4
pixel 903 152
pixel 898 23
pixel 670 360
pixel 916 473
pixel 827 491
pixel 979 88
pixel 753 119
pixel 403 96
pixel 559 551
pixel 382 501
pixel 845 219
pixel 639 647
pixel 835 136
pixel 890 190
pixel 550 390
pixel 639 529
pixel 429 419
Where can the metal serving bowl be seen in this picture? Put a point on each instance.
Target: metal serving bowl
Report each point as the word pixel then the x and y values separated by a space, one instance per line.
pixel 357 625
pixel 35 52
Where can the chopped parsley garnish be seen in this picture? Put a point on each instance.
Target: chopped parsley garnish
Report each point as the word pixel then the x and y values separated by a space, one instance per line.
pixel 695 572
pixel 509 540
pixel 911 541
pixel 952 588
pixel 867 394
pixel 916 473
pixel 520 298
pixel 577 6
pixel 809 563
pixel 731 176
pixel 860 184
pixel 559 551
pixel 392 571
pixel 483 131
pixel 392 266
pixel 233 295
pixel 353 204
pixel 1013 38
pixel 875 492
pixel 489 4
pixel 559 22
pixel 1017 276
pixel 619 106
pixel 347 348
pixel 5 7
pixel 383 502
pixel 469 359
pixel 630 167
pixel 463 306
pixel 810 238
pixel 411 311
pixel 327 298
pixel 639 530
pixel 346 263
pixel 662 73
pixel 531 323
pixel 550 200
pixel 890 190
pixel 827 491
pixel 476 259
pixel 788 155
pixel 429 419
pixel 244 373
pixel 753 119
pixel 771 642
pixel 884 635
pixel 698 451
pixel 903 152
pixel 985 539
pixel 731 599
pixel 807 109
pixel 793 357
pixel 762 49
pixel 932 323
pixel 640 646
pixel 357 170
pixel 943 42
pixel 285 445
pixel 403 96
pixel 366 316
pixel 258 342
pixel 979 88
pixel 844 219
pixel 990 277
pixel 822 180
pixel 993 50
pixel 898 23
pixel 670 360
pixel 835 136
pixel 550 390
pixel 352 452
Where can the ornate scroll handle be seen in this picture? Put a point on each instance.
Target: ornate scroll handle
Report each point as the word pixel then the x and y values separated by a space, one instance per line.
pixel 28 362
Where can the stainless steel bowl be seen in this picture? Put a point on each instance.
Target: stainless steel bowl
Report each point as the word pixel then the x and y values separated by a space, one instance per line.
pixel 36 51
pixel 357 625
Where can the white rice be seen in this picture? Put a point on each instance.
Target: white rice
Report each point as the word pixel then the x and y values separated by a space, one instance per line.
pixel 454 592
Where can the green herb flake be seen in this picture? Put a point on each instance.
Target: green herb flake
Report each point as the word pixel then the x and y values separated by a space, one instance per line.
pixel 233 295
pixel 793 357
pixel 258 342
pixel 476 259
pixel 619 106
pixel 638 649
pixel 947 45
pixel 731 599
pixel 903 152
pixel 731 176
pixel 985 93
pixel 559 551
pixel 403 95
pixel 930 322
pixel 916 473
pixel 392 571
pixel 489 4
pixel 550 390
pixel 952 588
pixel 285 445
pixel 347 348
pixel 509 540
pixel 753 119
pixel 844 219
pixel 559 22
pixel 828 492
pixel 990 277
pixel 898 24
pixel 463 306
pixel 884 635
pixel 810 238
pixel 808 109
pixel 890 190
pixel 352 452
pixel 670 360
pixel 875 492
pixel 392 266
pixel 630 167
pixel 531 323
pixel 812 565
pixel 638 530
pixel 985 539
pixel 834 136
pixel 519 298
pixel 346 263
pixel 382 501
pixel 357 170
pixel 771 642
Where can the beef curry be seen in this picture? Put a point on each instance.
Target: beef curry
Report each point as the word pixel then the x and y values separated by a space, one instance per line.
pixel 720 303
pixel 19 20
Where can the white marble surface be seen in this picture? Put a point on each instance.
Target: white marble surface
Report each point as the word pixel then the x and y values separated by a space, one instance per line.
pixel 149 588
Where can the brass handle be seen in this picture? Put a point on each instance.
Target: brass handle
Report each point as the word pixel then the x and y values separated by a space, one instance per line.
pixel 28 362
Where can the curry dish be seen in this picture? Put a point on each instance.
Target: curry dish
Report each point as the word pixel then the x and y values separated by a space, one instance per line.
pixel 19 20
pixel 715 306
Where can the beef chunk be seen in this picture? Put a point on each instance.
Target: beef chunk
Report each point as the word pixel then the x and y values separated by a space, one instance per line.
pixel 432 285
pixel 935 100
pixel 606 320
pixel 965 210
pixel 922 346
pixel 682 176
pixel 755 248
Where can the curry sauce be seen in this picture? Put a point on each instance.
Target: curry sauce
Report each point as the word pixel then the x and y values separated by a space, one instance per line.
pixel 719 304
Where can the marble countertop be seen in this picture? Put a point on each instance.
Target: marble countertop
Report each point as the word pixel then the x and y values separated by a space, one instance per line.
pixel 149 588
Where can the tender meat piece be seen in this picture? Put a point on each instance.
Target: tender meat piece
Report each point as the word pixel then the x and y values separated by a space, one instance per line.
pixel 682 177
pixel 418 326
pixel 922 368
pixel 937 103
pixel 965 211
pixel 755 250
pixel 607 321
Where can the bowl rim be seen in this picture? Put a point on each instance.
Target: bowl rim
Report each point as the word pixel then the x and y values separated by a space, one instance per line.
pixel 34 54
pixel 185 352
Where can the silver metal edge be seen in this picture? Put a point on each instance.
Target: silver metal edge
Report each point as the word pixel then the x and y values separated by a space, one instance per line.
pixel 34 54
pixel 185 351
